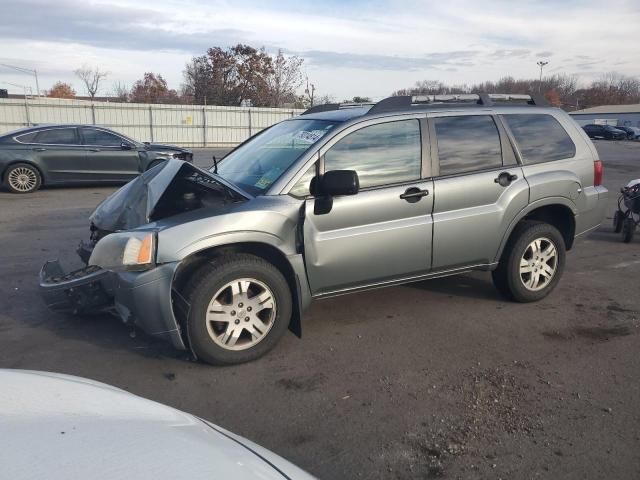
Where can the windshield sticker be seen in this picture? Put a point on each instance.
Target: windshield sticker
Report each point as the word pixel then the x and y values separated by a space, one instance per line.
pixel 268 178
pixel 263 183
pixel 310 137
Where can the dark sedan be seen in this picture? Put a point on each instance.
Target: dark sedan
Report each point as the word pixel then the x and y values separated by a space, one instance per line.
pixel 632 133
pixel 604 131
pixel 65 154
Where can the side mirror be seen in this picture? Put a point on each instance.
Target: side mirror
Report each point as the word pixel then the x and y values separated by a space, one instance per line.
pixel 339 182
pixel 125 146
pixel 333 183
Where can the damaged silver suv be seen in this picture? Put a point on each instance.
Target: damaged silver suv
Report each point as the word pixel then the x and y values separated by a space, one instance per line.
pixel 340 199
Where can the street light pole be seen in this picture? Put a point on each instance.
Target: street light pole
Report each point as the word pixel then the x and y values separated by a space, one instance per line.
pixel 541 63
pixel 28 71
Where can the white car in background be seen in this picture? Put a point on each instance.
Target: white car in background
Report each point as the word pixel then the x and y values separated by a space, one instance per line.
pixel 59 427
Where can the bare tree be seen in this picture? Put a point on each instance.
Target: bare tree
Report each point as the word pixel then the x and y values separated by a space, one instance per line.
pixel 285 79
pixel 91 77
pixel 121 91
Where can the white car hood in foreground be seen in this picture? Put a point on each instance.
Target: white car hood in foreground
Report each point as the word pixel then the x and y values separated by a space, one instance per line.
pixel 62 427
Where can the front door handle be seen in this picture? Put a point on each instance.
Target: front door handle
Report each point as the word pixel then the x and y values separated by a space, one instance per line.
pixel 94 149
pixel 505 179
pixel 39 149
pixel 414 194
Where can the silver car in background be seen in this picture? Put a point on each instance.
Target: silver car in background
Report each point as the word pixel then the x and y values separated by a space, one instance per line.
pixel 338 200
pixel 61 427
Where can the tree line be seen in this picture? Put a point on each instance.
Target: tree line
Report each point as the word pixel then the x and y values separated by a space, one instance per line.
pixel 242 75
pixel 560 90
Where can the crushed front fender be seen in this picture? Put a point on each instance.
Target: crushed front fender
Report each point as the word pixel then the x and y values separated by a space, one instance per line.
pixel 80 291
pixel 141 299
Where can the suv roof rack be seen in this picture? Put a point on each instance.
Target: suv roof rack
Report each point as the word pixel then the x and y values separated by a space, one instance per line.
pixel 406 102
pixel 326 107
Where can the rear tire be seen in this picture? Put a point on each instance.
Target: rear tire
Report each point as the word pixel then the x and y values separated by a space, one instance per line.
pixel 241 306
pixel 618 218
pixel 628 229
pixel 532 262
pixel 22 178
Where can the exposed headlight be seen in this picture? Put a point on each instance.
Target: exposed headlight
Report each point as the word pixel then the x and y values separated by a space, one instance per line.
pixel 125 251
pixel 170 154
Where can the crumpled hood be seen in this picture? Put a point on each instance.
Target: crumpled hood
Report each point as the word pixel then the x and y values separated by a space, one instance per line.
pixel 132 205
pixel 60 427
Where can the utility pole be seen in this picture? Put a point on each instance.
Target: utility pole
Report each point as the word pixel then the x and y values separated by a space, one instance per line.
pixel 541 63
pixel 28 71
pixel 310 91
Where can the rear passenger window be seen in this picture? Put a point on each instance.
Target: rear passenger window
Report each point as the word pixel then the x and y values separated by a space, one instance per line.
pixel 540 138
pixel 467 143
pixel 58 136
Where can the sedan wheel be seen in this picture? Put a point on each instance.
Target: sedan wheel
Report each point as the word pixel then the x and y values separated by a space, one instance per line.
pixel 22 178
pixel 241 314
pixel 538 264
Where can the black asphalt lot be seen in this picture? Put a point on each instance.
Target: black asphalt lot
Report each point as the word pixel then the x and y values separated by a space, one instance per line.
pixel 434 379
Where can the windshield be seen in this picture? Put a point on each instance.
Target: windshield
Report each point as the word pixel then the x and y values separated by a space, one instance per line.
pixel 257 164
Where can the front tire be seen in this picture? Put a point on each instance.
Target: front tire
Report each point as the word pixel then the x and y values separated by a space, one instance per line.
pixel 532 263
pixel 241 306
pixel 628 229
pixel 618 219
pixel 22 178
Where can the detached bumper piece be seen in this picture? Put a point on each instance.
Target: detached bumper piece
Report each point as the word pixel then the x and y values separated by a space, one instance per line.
pixel 142 299
pixel 80 291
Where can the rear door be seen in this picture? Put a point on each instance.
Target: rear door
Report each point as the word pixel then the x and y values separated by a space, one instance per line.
pixel 110 156
pixel 478 188
pixel 380 234
pixel 60 152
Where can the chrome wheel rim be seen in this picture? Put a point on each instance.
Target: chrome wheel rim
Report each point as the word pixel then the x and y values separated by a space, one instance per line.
pixel 23 179
pixel 538 264
pixel 241 314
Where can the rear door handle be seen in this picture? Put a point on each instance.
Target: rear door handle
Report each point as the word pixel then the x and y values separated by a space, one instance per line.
pixel 94 149
pixel 414 194
pixel 505 179
pixel 39 149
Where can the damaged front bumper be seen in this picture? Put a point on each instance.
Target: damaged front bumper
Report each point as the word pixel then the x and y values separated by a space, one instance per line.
pixel 142 298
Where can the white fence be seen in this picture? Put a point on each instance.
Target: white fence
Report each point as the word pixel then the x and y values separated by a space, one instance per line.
pixel 188 125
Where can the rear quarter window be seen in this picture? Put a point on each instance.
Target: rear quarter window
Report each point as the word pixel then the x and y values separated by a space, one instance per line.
pixel 27 137
pixel 540 137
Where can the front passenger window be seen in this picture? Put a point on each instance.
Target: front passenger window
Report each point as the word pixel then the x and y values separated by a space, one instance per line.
pixel 382 154
pixel 101 138
pixel 467 143
pixel 302 187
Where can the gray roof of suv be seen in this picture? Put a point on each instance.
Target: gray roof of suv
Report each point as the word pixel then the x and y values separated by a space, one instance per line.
pixel 341 115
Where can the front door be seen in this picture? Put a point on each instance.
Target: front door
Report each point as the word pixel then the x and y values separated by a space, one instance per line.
pixel 383 233
pixel 478 189
pixel 106 157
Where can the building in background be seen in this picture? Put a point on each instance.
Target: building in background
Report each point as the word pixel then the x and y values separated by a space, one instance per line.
pixel 620 115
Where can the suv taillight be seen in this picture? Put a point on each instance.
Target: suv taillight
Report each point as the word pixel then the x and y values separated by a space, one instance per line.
pixel 598 170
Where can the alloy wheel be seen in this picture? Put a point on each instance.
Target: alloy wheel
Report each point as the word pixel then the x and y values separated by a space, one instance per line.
pixel 538 264
pixel 241 314
pixel 23 179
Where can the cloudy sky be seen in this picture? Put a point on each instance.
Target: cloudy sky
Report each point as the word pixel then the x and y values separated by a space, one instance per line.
pixel 350 47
